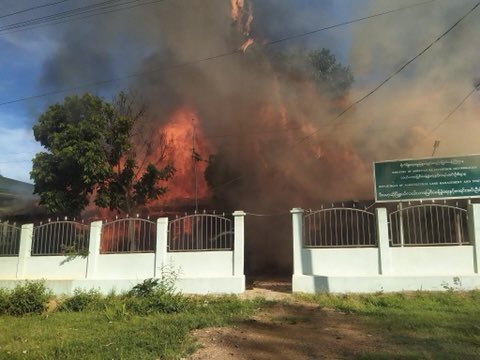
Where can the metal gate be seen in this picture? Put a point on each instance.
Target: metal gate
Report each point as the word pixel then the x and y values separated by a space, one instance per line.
pixel 428 224
pixel 339 227
pixel 200 232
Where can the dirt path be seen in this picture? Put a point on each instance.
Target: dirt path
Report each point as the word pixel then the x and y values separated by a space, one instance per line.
pixel 289 330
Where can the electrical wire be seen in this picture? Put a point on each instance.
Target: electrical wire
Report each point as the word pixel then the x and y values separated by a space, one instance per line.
pixel 119 7
pixel 197 61
pixel 454 110
pixel 66 14
pixel 397 71
pixel 32 8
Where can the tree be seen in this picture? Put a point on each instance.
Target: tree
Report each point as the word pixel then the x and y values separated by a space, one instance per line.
pixel 92 152
pixel 320 66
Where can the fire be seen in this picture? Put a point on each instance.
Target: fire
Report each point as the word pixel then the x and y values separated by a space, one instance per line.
pixel 246 44
pixel 236 9
pixel 188 150
pixel 241 15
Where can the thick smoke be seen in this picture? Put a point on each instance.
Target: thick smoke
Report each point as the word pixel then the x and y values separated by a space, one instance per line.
pixel 275 135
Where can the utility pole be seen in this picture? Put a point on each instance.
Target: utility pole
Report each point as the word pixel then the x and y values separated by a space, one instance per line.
pixel 436 144
pixel 195 158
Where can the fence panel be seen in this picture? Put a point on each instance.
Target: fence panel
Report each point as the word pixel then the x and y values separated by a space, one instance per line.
pixel 428 224
pixel 130 235
pixel 60 238
pixel 9 239
pixel 339 227
pixel 200 232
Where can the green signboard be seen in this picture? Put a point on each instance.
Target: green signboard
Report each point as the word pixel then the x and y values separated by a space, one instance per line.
pixel 431 178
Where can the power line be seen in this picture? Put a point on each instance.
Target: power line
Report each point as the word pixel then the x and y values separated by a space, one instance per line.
pixel 113 8
pixel 347 22
pixel 397 71
pixel 196 61
pixel 454 110
pixel 65 14
pixel 32 8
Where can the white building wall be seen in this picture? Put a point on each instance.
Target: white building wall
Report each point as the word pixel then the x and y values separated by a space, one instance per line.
pixel 125 266
pixel 8 267
pixel 386 268
pixel 55 267
pixel 342 262
pixel 432 260
pixel 198 272
pixel 202 264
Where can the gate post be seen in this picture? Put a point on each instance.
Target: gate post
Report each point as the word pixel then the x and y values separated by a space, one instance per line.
pixel 93 249
pixel 474 234
pixel 25 250
pixel 161 246
pixel 239 243
pixel 297 226
pixel 384 261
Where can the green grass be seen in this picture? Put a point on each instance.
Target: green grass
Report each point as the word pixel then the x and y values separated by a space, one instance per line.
pixel 115 333
pixel 422 325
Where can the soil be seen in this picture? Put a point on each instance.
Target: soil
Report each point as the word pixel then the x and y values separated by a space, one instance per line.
pixel 290 329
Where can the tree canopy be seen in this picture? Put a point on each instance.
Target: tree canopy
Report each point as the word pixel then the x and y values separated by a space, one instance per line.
pixel 91 154
pixel 320 66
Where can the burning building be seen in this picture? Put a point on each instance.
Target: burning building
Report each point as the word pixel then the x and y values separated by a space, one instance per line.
pixel 259 124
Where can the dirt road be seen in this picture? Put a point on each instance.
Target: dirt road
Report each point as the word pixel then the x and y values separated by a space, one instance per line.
pixel 290 329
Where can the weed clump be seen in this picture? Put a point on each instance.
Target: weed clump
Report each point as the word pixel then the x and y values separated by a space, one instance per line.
pixel 83 300
pixel 156 295
pixel 30 297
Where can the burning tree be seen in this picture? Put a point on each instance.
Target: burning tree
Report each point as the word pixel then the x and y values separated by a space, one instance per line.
pixel 97 150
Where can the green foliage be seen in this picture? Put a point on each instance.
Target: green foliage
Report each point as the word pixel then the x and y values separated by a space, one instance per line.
pixel 73 251
pixel 433 324
pixel 26 298
pixel 90 148
pixel 82 300
pixel 319 66
pixel 157 295
pixel 115 332
pixel 4 294
pixel 116 311
pixel 145 288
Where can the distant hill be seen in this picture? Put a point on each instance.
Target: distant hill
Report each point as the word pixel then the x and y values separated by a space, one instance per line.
pixel 16 197
pixel 10 186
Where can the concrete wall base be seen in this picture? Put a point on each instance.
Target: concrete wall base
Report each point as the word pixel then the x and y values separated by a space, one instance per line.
pixel 380 283
pixel 223 285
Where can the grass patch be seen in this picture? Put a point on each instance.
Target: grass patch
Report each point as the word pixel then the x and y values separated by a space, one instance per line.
pixel 115 331
pixel 425 325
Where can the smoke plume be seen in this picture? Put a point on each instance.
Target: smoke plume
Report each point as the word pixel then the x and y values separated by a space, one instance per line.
pixel 274 135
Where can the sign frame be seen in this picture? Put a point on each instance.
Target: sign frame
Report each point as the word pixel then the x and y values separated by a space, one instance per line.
pixel 417 198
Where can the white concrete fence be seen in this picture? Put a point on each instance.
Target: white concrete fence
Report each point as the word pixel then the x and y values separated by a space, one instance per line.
pixel 381 266
pixel 200 272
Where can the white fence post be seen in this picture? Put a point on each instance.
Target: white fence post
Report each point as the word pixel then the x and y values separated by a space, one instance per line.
pixel 94 249
pixel 384 257
pixel 474 233
pixel 239 243
pixel 25 250
pixel 297 226
pixel 161 246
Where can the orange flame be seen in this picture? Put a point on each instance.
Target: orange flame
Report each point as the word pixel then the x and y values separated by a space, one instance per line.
pixel 246 44
pixel 188 150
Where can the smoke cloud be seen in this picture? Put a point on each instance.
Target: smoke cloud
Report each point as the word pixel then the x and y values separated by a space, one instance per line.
pixel 279 144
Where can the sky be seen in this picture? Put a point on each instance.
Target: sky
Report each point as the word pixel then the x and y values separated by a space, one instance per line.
pixel 30 58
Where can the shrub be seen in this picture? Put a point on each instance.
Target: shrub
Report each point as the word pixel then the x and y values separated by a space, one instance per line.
pixel 29 297
pixel 157 295
pixel 82 300
pixel 4 295
pixel 157 302
pixel 146 288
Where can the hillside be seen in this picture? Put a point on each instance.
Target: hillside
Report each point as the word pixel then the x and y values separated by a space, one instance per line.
pixel 16 197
